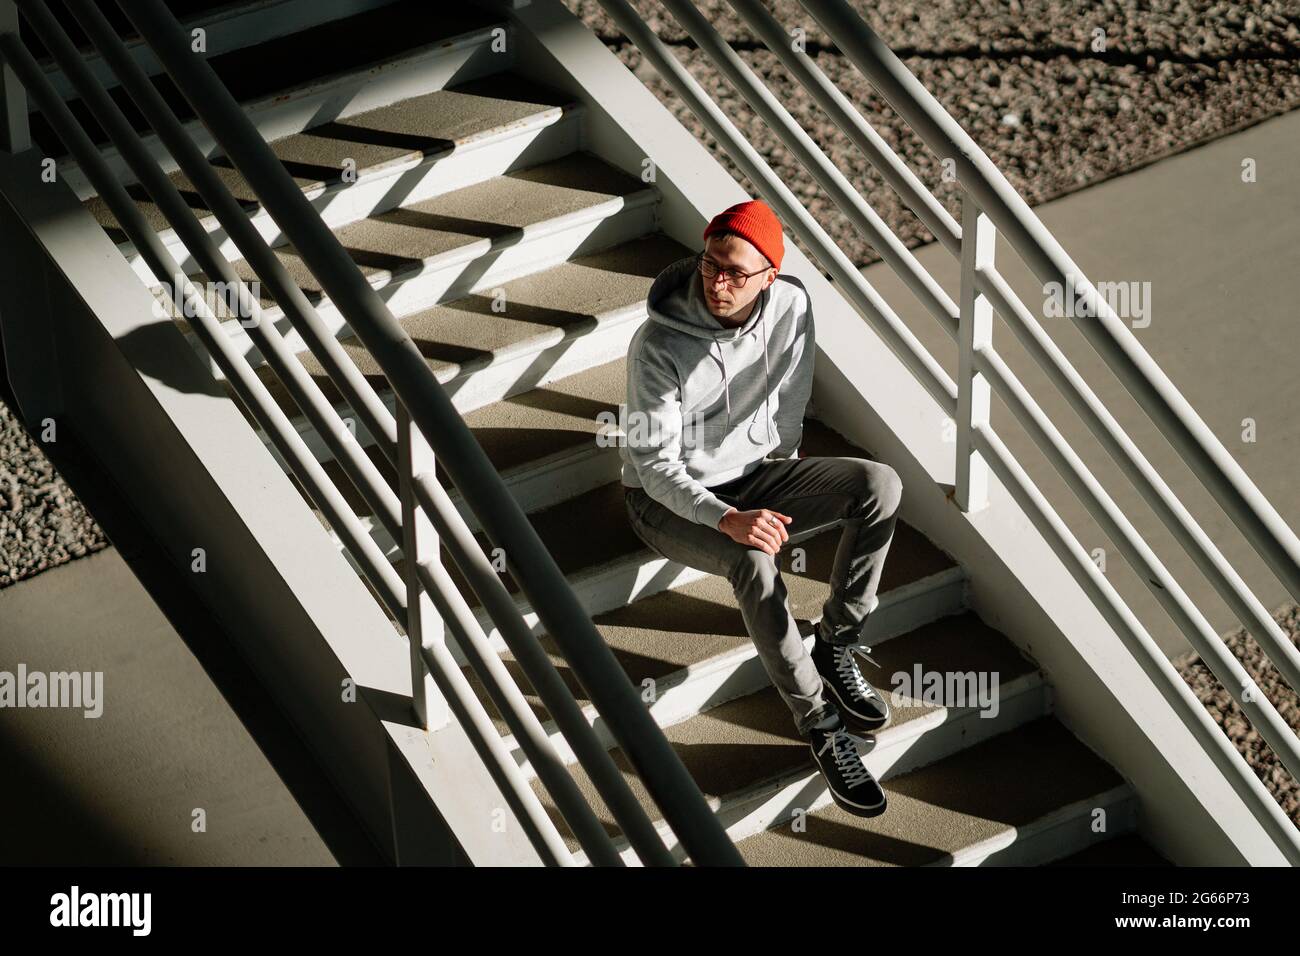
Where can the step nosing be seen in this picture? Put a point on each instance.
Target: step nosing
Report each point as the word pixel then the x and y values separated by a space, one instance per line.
pixel 476 36
pixel 1054 789
pixel 911 715
pixel 451 373
pixel 976 850
pixel 897 738
pixel 480 248
pixel 387 169
pixel 1066 812
pixel 909 722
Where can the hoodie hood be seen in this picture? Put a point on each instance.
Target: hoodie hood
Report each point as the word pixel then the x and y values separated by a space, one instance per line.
pixel 687 375
pixel 676 299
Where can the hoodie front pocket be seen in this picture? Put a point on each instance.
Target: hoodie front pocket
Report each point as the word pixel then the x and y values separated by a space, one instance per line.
pixel 702 438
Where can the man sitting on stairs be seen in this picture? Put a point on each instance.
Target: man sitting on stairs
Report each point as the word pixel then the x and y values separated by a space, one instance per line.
pixel 718 380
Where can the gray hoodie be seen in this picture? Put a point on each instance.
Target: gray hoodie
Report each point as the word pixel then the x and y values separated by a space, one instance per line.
pixel 705 403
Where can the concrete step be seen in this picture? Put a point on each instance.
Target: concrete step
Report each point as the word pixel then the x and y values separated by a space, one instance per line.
pixel 541 443
pixel 608 565
pixel 687 647
pixel 475 238
pixel 754 769
pixel 1025 797
pixel 629 572
pixel 334 70
pixel 559 328
pixel 680 628
pixel 371 162
pixel 228 27
pixel 1128 849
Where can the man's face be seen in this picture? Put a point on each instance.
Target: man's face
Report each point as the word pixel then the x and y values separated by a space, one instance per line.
pixel 732 252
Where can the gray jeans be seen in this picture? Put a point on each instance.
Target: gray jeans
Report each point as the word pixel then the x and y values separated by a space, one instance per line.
pixel 860 494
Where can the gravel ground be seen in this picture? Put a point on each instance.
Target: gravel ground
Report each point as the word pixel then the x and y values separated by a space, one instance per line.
pixel 1054 114
pixel 1228 714
pixel 42 524
pixel 1022 78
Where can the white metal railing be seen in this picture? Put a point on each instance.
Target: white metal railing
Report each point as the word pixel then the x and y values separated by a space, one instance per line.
pixel 420 514
pixel 991 205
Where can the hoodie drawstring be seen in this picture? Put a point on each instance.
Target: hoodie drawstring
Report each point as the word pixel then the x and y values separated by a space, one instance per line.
pixel 767 378
pixel 726 390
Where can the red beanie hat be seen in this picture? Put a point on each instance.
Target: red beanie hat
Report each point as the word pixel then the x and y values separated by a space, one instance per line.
pixel 755 221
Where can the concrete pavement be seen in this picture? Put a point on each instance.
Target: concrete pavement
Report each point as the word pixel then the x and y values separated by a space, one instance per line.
pixel 123 788
pixel 1220 258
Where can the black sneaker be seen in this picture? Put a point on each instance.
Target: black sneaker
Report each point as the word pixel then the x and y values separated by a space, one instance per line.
pixel 858 702
pixel 851 784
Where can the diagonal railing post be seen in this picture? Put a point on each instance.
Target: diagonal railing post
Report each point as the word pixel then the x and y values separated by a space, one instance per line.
pixel 424 626
pixel 504 523
pixel 1209 461
pixel 974 331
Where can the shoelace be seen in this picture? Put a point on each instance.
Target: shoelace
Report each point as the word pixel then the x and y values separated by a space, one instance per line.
pixel 847 668
pixel 845 750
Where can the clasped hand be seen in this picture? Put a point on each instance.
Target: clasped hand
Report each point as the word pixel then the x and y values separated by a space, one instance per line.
pixel 761 528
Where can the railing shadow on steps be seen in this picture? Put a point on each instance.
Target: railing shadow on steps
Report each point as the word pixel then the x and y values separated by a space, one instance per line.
pixel 989 204
pixel 421 515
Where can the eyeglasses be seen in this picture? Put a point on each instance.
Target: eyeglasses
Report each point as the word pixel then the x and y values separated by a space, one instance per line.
pixel 708 268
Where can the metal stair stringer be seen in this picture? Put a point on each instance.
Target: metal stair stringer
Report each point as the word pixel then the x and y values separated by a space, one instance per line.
pixel 1017 582
pixel 221 507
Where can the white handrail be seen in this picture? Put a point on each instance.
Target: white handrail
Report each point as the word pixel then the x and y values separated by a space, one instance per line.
pixel 1203 552
pixel 683 806
pixel 983 288
pixel 1213 466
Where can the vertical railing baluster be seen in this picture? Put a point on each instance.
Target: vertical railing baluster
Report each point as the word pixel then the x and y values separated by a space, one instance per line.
pixel 975 330
pixel 15 133
pixel 419 543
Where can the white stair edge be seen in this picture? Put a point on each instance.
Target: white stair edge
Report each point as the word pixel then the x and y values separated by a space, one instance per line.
pixel 545 482
pixel 899 749
pixel 528 481
pixel 481 264
pixel 643 573
pixel 546 358
pixel 739 673
pixel 640 573
pixel 597 589
pixel 601 588
pixel 1054 835
pixel 237 28
pixel 546 136
pixel 458 59
pixel 536 362
pixel 692 690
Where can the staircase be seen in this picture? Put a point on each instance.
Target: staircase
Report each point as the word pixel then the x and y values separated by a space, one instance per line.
pixel 516 248
pixel 482 190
